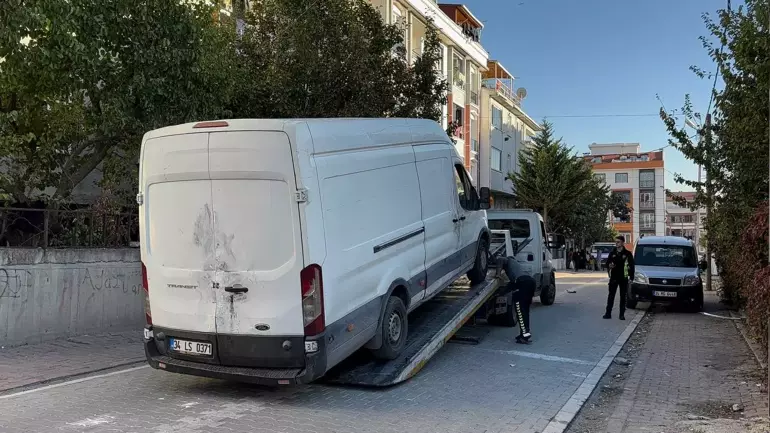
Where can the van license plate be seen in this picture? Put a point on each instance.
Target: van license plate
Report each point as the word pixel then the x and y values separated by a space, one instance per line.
pixel 664 294
pixel 190 347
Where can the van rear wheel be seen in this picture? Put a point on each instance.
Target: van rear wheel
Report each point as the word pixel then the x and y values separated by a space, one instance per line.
pixel 478 273
pixel 394 329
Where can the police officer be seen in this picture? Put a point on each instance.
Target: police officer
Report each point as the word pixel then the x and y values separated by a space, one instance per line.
pixel 620 265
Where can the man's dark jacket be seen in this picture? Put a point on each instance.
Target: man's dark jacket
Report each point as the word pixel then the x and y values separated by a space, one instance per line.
pixel 624 264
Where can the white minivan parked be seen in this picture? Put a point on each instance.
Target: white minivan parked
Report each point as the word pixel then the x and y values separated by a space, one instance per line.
pixel 274 249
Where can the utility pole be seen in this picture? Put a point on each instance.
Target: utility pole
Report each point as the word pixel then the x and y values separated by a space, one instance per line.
pixel 709 194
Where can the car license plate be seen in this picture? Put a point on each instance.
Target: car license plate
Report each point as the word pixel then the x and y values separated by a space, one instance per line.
pixel 190 347
pixel 664 294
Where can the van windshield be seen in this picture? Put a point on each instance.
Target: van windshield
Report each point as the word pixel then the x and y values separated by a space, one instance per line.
pixel 675 256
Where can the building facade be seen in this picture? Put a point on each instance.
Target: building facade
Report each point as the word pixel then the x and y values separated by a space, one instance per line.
pixel 639 177
pixel 683 221
pixel 464 60
pixel 505 130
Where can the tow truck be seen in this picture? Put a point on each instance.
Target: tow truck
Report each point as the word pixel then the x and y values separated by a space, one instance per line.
pixel 437 321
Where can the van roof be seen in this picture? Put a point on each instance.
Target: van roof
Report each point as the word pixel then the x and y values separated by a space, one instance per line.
pixel 665 240
pixel 331 135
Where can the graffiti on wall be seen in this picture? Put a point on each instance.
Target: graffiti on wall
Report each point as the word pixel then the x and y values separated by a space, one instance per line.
pixel 15 282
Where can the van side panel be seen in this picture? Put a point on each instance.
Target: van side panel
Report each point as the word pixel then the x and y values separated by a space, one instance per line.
pixel 374 236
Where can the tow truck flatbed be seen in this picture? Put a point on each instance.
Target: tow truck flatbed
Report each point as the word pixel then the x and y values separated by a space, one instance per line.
pixel 430 327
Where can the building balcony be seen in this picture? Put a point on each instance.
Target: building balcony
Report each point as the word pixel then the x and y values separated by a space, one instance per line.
pixel 502 89
pixel 647 205
pixel 458 80
pixel 647 225
pixel 647 184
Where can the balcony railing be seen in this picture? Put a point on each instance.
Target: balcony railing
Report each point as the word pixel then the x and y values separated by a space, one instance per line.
pixel 647 224
pixel 647 183
pixel 503 89
pixel 647 204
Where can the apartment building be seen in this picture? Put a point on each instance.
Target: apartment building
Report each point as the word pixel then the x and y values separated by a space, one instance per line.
pixel 464 59
pixel 681 220
pixel 505 130
pixel 639 177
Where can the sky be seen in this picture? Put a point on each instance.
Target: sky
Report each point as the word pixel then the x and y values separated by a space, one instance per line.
pixel 604 57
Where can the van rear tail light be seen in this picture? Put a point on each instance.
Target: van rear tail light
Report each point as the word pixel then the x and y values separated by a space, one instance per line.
pixel 146 287
pixel 214 124
pixel 312 300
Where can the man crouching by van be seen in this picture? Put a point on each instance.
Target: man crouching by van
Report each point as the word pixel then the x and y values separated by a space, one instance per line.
pixel 522 287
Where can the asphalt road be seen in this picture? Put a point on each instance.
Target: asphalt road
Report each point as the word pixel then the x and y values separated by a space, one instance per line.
pixel 496 386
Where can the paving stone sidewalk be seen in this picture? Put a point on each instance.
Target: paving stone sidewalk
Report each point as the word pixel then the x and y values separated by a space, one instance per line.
pixel 682 366
pixel 38 363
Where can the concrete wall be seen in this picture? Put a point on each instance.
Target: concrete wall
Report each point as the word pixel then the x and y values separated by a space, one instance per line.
pixel 49 294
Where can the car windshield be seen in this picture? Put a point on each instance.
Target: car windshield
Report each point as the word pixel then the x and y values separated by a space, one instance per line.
pixel 675 256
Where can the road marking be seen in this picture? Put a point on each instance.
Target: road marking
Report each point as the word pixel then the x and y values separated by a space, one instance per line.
pixel 72 382
pixel 92 422
pixel 541 356
pixel 720 317
pixel 567 413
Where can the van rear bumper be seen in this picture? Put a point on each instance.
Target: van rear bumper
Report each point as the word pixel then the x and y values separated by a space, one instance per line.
pixel 314 367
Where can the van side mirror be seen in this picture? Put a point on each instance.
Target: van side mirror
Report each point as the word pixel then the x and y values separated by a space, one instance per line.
pixel 484 195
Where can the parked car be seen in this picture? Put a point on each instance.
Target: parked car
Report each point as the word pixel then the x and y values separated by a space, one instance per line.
pixel 667 270
pixel 277 248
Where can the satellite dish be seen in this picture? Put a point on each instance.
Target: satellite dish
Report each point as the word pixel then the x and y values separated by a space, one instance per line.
pixel 521 92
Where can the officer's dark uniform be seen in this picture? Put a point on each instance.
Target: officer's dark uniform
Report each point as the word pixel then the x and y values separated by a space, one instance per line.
pixel 523 288
pixel 619 275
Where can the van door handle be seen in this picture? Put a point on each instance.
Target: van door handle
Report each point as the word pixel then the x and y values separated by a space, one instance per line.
pixel 237 288
pixel 462 218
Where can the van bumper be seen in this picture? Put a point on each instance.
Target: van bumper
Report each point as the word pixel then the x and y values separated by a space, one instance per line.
pixel 315 366
pixel 646 293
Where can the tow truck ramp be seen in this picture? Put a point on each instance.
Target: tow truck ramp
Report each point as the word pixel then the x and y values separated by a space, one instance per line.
pixel 430 327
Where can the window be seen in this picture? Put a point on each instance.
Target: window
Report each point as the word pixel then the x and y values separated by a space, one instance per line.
pixel 682 219
pixel 647 219
pixel 474 133
pixel 497 118
pixel 621 177
pixel 646 199
pixel 508 164
pixel 518 228
pixel 459 119
pixel 458 71
pixel 602 177
pixel 463 184
pixel 647 179
pixel 495 159
pixel 625 194
pixel 626 236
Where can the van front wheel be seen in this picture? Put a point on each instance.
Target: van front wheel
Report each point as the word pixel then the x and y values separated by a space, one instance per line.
pixel 478 273
pixel 394 328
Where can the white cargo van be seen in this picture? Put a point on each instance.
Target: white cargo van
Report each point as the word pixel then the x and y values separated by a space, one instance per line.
pixel 274 249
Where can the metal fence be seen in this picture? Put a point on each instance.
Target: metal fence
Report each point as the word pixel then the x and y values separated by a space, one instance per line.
pixel 67 228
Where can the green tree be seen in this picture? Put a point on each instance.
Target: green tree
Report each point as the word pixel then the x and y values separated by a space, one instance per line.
pixel 735 156
pixel 82 80
pixel 334 58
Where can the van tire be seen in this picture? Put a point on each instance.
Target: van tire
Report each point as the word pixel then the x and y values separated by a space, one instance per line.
pixel 478 273
pixel 508 319
pixel 548 294
pixel 393 329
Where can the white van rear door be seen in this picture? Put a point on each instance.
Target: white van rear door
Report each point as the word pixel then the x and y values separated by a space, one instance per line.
pixel 258 236
pixel 177 232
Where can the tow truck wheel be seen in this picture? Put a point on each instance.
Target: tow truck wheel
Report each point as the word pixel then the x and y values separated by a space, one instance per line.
pixel 394 328
pixel 548 294
pixel 508 319
pixel 479 271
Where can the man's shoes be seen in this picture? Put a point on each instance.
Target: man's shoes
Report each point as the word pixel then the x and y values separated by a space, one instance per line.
pixel 622 317
pixel 522 340
pixel 606 316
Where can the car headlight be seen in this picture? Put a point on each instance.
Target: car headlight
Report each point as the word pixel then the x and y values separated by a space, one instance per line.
pixel 691 280
pixel 640 278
